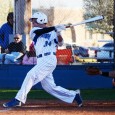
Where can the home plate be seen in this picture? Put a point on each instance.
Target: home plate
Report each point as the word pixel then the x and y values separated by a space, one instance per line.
pixel 5 110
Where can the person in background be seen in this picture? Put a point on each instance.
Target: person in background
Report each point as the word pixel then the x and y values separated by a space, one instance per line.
pixel 30 57
pixel 110 74
pixel 5 30
pixel 15 51
pixel 94 71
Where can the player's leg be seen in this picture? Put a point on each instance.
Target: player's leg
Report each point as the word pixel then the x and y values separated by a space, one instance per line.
pixel 32 78
pixel 61 93
pixel 21 96
pixel 35 75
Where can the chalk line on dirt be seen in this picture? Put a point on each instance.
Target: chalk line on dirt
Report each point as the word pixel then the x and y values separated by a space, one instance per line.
pixel 5 110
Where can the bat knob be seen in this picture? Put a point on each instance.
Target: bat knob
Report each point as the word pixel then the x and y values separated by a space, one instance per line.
pixel 67 26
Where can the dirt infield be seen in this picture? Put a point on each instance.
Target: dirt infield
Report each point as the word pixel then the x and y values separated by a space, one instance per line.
pixel 56 107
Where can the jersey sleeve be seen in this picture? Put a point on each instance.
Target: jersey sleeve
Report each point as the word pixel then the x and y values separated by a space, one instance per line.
pixel 39 31
pixel 32 34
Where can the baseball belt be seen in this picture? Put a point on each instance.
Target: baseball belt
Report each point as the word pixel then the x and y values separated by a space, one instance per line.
pixel 45 54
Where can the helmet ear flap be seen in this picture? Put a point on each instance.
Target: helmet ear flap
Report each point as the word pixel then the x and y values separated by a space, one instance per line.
pixel 40 21
pixel 37 20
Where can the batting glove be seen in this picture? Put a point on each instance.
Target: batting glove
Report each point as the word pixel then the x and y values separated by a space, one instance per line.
pixel 59 28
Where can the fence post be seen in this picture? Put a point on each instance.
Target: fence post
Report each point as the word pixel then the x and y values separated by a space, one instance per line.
pixel 22 13
pixel 114 32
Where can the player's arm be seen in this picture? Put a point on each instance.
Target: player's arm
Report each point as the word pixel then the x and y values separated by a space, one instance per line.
pixel 96 71
pixel 57 28
pixel 108 74
pixel 39 32
pixel 36 33
pixel 60 39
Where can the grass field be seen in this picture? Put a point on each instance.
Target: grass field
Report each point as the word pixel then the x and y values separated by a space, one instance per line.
pixel 95 102
pixel 87 94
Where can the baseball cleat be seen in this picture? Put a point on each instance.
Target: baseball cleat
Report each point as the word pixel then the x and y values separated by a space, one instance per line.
pixel 78 98
pixel 13 103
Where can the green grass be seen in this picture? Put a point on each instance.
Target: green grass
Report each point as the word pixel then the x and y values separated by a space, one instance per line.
pixel 98 94
pixel 89 94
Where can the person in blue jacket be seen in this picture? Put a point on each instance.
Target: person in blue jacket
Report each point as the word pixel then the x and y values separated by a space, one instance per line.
pixel 5 30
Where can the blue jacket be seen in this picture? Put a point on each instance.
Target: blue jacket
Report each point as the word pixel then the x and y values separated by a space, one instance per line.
pixel 5 31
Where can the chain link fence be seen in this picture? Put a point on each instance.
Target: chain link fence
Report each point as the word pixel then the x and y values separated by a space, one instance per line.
pixel 81 43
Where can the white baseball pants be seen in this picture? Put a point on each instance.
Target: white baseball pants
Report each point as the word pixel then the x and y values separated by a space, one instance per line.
pixel 43 73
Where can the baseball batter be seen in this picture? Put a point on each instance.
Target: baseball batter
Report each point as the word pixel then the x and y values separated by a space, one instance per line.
pixel 46 40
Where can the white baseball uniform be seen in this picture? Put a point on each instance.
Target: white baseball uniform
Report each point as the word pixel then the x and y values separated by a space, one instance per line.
pixel 45 43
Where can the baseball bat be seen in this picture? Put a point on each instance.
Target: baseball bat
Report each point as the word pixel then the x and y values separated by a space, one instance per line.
pixel 97 18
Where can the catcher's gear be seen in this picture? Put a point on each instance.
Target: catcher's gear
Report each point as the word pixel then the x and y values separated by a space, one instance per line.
pixel 92 70
pixel 41 18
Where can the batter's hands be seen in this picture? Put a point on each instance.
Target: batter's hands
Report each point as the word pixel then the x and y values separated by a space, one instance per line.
pixel 93 70
pixel 60 27
pixel 58 33
pixel 68 25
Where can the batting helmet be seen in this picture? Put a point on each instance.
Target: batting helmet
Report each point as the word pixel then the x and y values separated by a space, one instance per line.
pixel 40 16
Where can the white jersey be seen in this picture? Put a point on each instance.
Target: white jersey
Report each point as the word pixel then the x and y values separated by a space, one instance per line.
pixel 44 43
pixel 45 46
